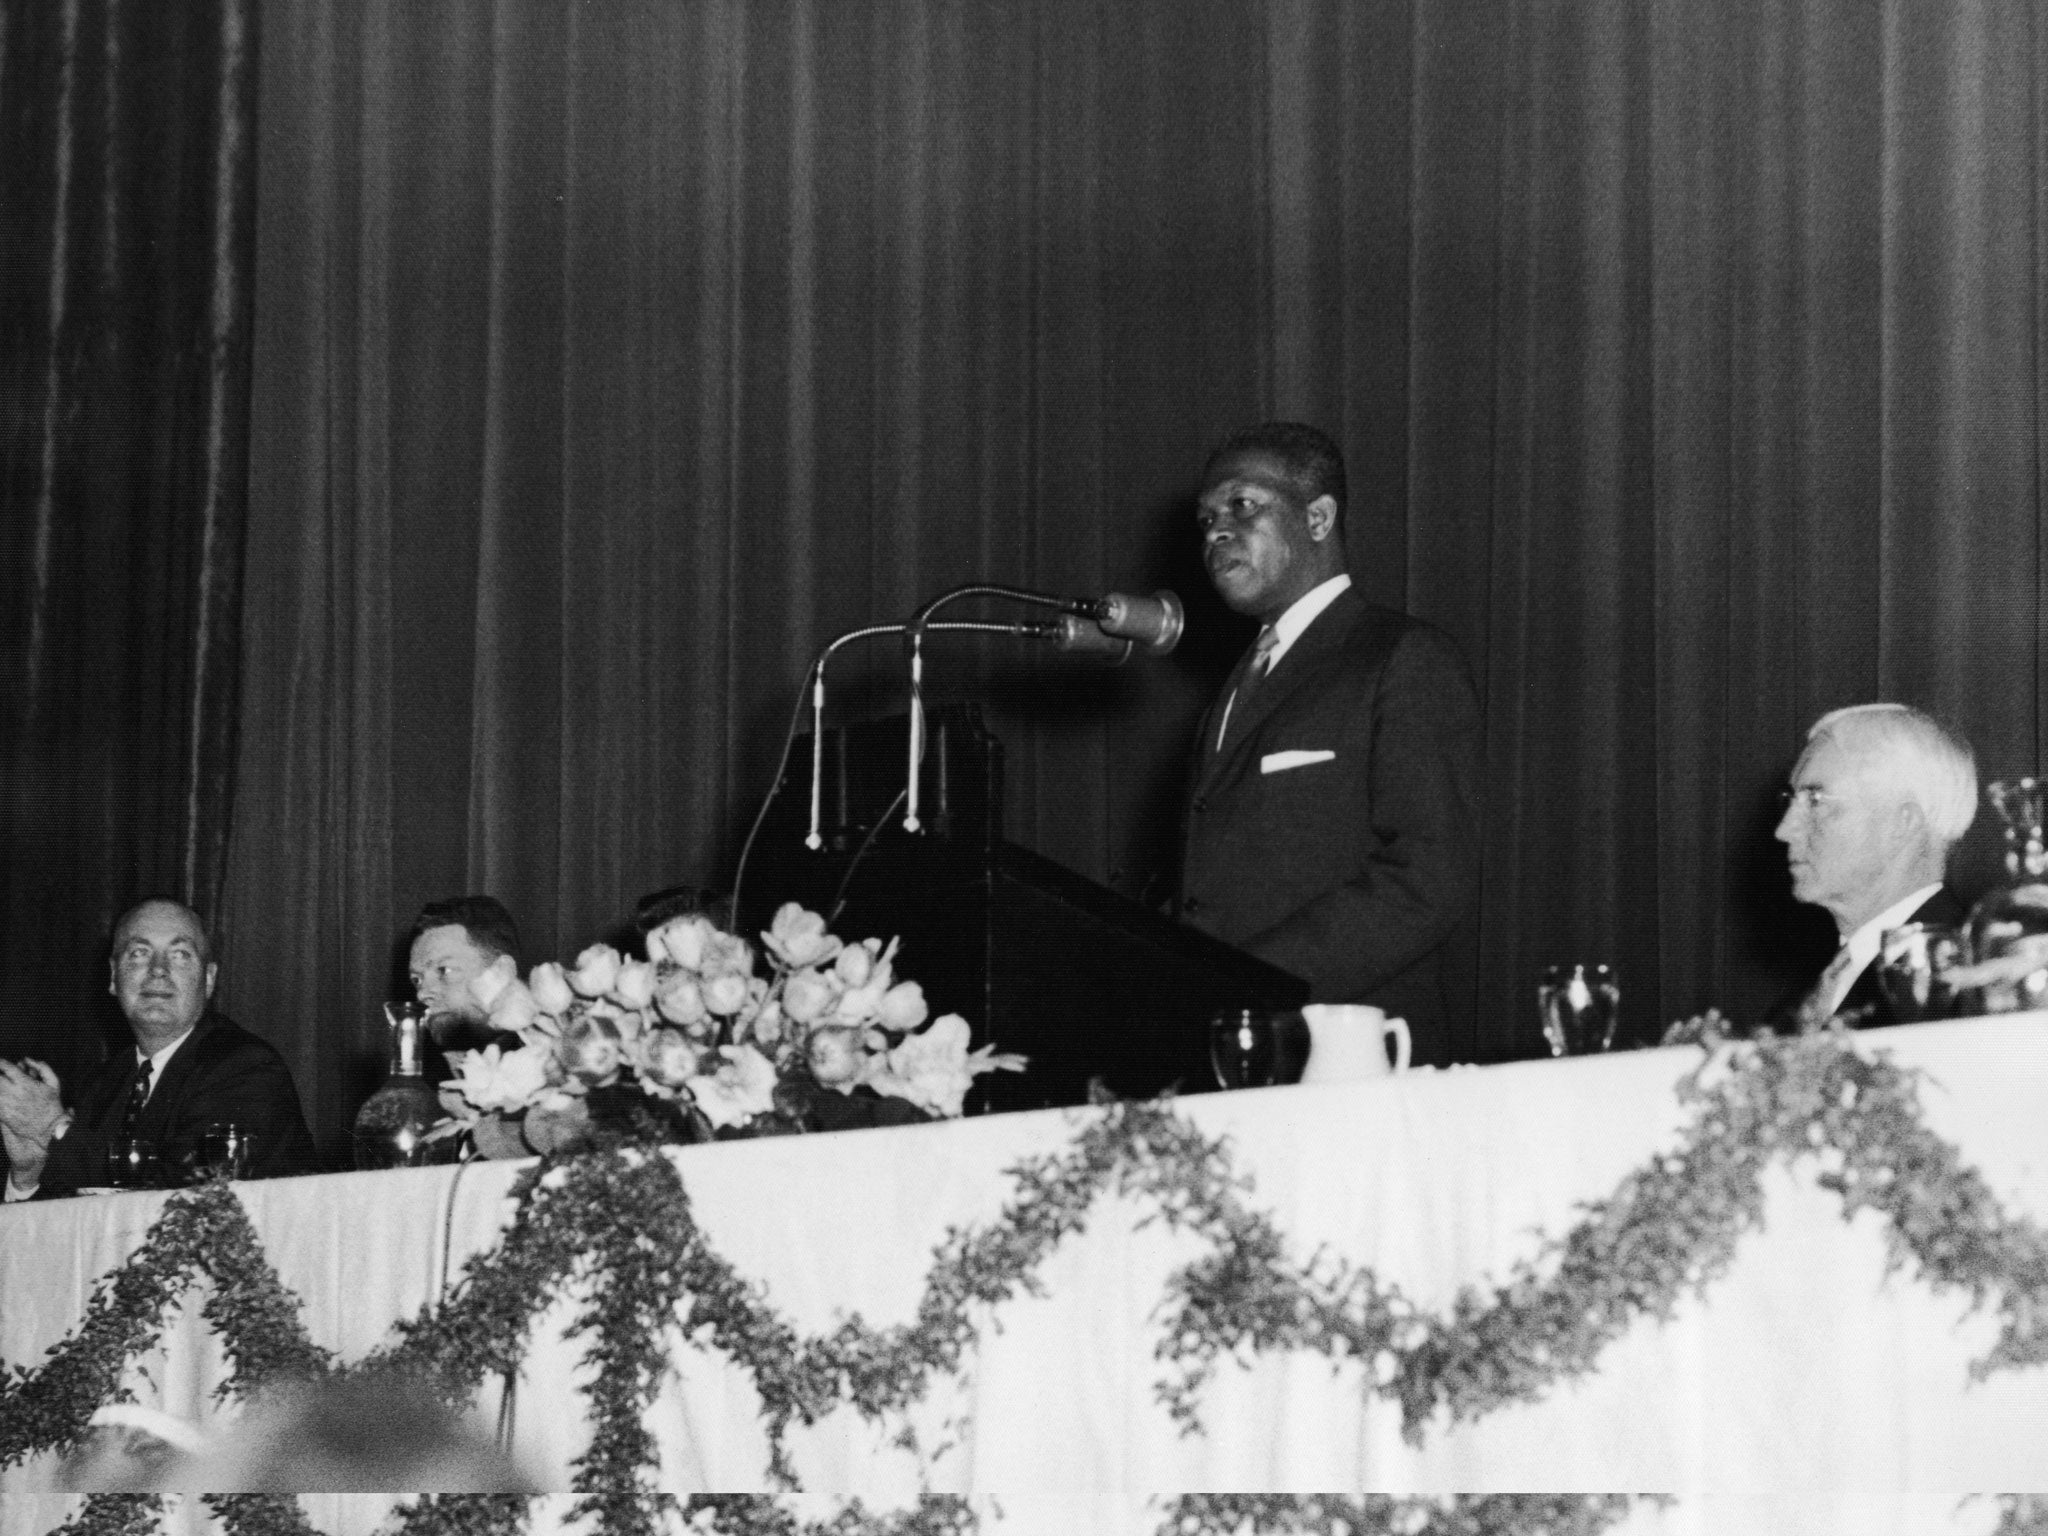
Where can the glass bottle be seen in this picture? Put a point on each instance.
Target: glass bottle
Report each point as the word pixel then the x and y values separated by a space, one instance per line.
pixel 392 1125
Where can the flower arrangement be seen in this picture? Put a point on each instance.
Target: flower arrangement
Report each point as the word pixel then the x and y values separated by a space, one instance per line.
pixel 689 1043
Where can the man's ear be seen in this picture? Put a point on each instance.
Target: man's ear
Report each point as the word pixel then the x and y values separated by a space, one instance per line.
pixel 113 979
pixel 1322 518
pixel 212 975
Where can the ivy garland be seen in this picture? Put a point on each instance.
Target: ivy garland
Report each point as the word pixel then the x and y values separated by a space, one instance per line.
pixel 1505 1514
pixel 621 1221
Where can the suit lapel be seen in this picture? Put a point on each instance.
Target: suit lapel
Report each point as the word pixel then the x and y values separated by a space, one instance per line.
pixel 1322 639
pixel 158 1114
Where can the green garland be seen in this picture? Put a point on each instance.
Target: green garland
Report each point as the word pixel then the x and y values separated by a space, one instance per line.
pixel 619 1225
pixel 1505 1514
pixel 115 1514
pixel 204 1232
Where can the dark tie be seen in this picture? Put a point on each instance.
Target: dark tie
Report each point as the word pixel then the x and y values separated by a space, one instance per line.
pixel 137 1097
pixel 1255 668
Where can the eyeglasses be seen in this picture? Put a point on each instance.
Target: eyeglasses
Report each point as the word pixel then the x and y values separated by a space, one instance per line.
pixel 1817 803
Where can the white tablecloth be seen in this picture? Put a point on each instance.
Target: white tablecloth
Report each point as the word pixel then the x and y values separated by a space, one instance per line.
pixel 1807 1390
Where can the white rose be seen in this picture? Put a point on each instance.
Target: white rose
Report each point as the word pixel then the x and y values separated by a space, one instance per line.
pixel 725 995
pixel 902 1008
pixel 682 940
pixel 836 1058
pixel 551 990
pixel 682 1000
pixel 513 1009
pixel 859 1005
pixel 488 984
pixel 596 969
pixel 634 985
pixel 806 995
pixel 798 938
pixel 855 964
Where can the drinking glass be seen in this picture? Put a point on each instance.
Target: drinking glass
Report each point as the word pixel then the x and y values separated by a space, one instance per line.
pixel 1257 1047
pixel 131 1163
pixel 1581 1005
pixel 225 1151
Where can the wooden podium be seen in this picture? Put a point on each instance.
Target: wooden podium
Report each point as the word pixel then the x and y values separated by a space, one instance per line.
pixel 1087 983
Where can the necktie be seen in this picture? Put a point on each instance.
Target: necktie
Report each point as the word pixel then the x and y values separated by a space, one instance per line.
pixel 1827 994
pixel 1254 674
pixel 137 1097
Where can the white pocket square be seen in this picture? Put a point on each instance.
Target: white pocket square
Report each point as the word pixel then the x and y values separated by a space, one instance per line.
pixel 1280 762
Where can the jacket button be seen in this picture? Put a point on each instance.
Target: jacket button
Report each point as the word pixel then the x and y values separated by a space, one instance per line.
pixel 1191 904
pixel 1201 804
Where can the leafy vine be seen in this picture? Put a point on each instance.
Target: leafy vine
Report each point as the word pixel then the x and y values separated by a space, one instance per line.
pixel 617 1227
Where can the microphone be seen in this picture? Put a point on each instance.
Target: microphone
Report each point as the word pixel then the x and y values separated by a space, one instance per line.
pixel 1075 636
pixel 1154 622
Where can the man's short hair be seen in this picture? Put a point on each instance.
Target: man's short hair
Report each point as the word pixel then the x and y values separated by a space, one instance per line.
pixel 483 918
pixel 1313 463
pixel 1922 759
pixel 133 907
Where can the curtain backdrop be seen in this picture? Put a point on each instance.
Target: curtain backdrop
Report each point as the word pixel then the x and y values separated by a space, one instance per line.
pixel 608 359
pixel 127 195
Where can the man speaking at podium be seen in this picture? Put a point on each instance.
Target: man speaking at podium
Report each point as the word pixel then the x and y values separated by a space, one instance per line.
pixel 1332 821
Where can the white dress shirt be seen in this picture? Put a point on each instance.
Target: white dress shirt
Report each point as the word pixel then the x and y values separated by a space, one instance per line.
pixel 1860 948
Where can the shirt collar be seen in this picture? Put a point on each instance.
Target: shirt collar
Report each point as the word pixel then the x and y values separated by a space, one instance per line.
pixel 1302 612
pixel 1863 944
pixel 160 1059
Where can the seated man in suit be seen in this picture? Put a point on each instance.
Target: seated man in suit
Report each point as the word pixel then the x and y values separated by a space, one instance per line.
pixel 1878 798
pixel 191 1068
pixel 1333 818
pixel 454 942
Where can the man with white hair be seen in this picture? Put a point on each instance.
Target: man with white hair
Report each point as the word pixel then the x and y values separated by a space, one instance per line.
pixel 1877 800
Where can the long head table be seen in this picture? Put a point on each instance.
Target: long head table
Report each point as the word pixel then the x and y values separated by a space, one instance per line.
pixel 1815 1385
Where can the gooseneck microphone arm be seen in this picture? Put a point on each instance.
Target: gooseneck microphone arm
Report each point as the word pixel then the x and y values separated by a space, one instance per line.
pixel 913 639
pixel 815 838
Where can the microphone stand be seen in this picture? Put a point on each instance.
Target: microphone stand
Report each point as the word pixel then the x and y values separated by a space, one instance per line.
pixel 816 678
pixel 815 839
pixel 913 636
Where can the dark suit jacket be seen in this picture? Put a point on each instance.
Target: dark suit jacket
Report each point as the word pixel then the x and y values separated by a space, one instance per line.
pixel 1350 872
pixel 222 1073
pixel 1944 906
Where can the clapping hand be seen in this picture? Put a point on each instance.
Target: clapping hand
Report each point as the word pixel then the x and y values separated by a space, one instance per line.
pixel 31 1104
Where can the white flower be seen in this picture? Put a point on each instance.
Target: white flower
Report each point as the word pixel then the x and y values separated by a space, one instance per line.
pixel 855 964
pixel 681 1000
pixel 798 938
pixel 667 1059
pixel 836 1057
pixel 806 995
pixel 902 1007
pixel 488 984
pixel 634 985
pixel 725 995
pixel 592 1049
pixel 596 969
pixel 550 988
pixel 512 1008
pixel 726 954
pixel 680 939
pixel 930 1068
pixel 739 1090
pixel 497 1079
pixel 767 1023
pixel 860 1004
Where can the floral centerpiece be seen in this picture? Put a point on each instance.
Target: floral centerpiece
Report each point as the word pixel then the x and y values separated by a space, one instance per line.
pixel 690 1042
